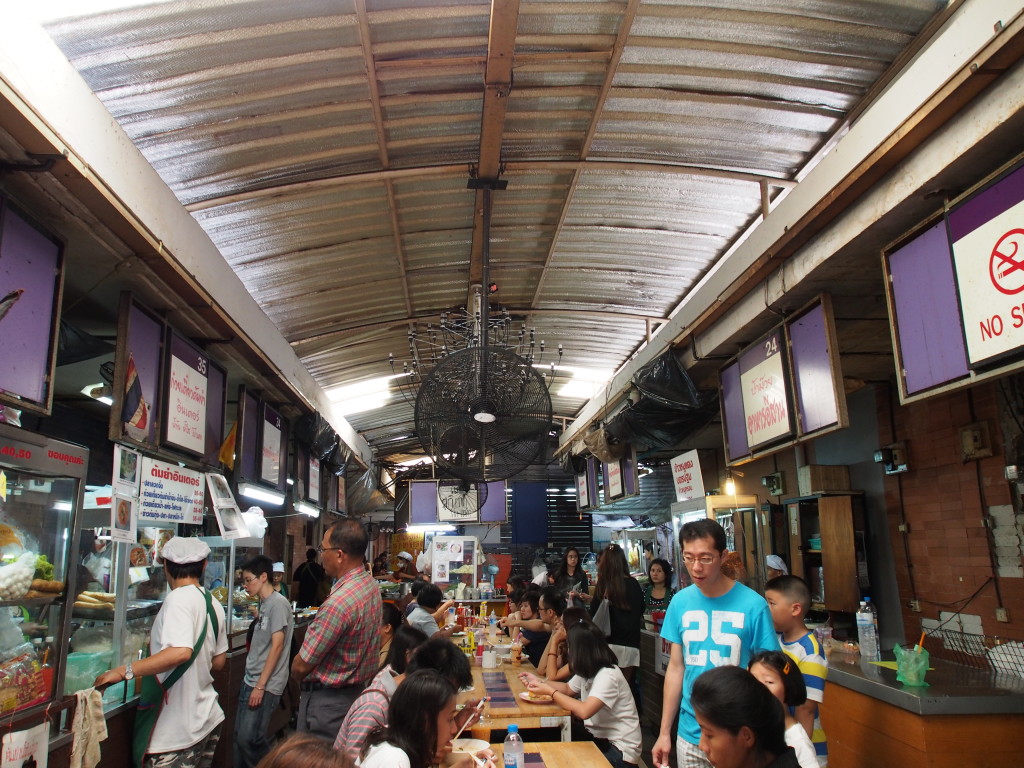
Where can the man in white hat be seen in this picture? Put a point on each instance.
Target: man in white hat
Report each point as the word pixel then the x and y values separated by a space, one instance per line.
pixel 187 727
pixel 776 567
pixel 278 581
pixel 405 569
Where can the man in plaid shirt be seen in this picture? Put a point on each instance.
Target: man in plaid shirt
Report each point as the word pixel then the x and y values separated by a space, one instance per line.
pixel 340 653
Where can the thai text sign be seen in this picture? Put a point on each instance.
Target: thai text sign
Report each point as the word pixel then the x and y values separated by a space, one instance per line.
pixel 170 494
pixel 686 477
pixel 186 396
pixel 763 386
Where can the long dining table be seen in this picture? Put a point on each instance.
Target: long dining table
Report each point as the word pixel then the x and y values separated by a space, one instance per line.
pixel 503 686
pixel 556 754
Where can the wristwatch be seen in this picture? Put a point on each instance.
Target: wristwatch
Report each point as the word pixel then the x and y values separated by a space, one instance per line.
pixel 129 673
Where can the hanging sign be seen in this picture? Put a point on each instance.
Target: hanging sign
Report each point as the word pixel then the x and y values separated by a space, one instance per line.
pixel 313 492
pixel 271 449
pixel 225 508
pixel 26 749
pixel 185 412
pixel 987 235
pixel 763 384
pixel 686 476
pixel 170 494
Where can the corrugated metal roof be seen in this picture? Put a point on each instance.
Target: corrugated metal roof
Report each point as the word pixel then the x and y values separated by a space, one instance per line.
pixel 325 146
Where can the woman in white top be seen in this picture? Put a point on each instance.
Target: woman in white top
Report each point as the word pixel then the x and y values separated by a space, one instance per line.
pixel 780 675
pixel 421 724
pixel 598 694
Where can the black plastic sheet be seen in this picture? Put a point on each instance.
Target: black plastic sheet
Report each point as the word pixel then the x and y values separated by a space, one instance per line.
pixel 670 407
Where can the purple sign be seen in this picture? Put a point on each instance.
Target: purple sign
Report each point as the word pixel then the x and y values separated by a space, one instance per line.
pixel 813 371
pixel 925 312
pixel 248 441
pixel 187 395
pixel 30 277
pixel 272 445
pixel 732 413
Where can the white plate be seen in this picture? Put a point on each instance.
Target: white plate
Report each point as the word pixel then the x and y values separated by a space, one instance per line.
pixel 469 745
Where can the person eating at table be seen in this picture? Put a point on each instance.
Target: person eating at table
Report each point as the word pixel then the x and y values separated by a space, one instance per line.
pixel 423 616
pixel 535 631
pixel 370 710
pixel 598 693
pixel 420 728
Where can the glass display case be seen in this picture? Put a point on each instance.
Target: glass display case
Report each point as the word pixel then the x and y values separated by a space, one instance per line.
pixel 223 578
pixel 638 546
pixel 746 528
pixel 41 482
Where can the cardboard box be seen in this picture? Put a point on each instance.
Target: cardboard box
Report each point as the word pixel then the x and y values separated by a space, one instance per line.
pixel 822 478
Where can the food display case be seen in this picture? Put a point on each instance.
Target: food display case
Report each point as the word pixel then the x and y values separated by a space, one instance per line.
pixel 745 530
pixel 223 580
pixel 638 546
pixel 41 484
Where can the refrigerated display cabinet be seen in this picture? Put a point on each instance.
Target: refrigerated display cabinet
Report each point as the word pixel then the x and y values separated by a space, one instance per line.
pixel 746 529
pixel 41 484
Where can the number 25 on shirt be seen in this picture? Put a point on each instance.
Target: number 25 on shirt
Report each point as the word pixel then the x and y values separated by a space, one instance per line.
pixel 717 642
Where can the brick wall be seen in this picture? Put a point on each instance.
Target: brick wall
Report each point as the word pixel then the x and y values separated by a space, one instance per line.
pixel 946 555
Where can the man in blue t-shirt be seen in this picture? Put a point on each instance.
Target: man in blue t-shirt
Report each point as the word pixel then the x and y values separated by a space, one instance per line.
pixel 714 622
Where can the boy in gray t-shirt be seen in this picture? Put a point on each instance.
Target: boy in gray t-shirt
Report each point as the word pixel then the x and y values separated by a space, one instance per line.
pixel 267 665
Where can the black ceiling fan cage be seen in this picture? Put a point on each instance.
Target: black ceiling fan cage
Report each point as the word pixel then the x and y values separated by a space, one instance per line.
pixel 484 414
pixel 462 498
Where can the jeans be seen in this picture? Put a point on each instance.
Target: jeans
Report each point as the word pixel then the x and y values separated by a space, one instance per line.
pixel 251 742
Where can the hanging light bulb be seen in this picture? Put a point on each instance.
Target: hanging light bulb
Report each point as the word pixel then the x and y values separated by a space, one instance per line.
pixel 730 485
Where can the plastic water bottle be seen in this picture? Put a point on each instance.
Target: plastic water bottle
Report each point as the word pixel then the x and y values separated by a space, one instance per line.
pixel 514 750
pixel 451 616
pixel 873 607
pixel 867 632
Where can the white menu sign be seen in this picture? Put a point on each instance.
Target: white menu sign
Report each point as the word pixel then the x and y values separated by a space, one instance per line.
pixel 186 396
pixel 765 405
pixel 170 494
pixel 686 476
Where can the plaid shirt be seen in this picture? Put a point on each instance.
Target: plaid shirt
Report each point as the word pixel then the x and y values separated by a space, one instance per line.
pixel 343 642
pixel 368 712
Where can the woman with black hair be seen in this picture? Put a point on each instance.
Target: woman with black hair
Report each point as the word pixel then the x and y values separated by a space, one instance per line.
pixel 570 576
pixel 742 725
pixel 598 694
pixel 421 724
pixel 625 599
pixel 658 592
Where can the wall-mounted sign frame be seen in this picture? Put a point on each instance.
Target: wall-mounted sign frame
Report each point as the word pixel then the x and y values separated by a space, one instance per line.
pixel 955 299
pixel 621 478
pixel 138 373
pixel 785 388
pixel 586 486
pixel 31 285
pixel 273 447
pixel 186 395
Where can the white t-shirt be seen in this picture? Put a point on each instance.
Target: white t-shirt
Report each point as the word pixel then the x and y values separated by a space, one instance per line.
pixel 191 710
pixel 384 755
pixel 617 720
pixel 797 738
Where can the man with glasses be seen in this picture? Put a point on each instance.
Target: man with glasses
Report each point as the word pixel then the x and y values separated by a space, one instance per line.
pixel 266 665
pixel 714 622
pixel 339 654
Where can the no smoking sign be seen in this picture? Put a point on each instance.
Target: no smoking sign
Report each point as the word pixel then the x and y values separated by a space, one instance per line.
pixel 1006 263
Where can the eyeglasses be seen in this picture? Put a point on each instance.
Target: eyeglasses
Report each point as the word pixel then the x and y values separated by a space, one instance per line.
pixel 703 559
pixel 321 550
pixel 249 580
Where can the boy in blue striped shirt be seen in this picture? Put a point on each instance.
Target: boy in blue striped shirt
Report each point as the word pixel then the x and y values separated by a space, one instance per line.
pixel 789 598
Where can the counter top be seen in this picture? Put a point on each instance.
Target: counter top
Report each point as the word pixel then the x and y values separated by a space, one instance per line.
pixel 952 690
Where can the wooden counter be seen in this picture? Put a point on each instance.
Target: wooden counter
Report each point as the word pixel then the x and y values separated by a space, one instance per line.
pixel 965 717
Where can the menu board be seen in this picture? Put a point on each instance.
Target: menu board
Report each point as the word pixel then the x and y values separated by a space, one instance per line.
pixel 186 395
pixel 785 387
pixel 453 559
pixel 271 446
pixel 31 273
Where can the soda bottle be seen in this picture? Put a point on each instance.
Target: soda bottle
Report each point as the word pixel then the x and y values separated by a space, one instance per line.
pixel 514 752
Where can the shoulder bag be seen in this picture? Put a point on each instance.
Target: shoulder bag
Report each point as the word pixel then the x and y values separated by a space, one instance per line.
pixel 154 693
